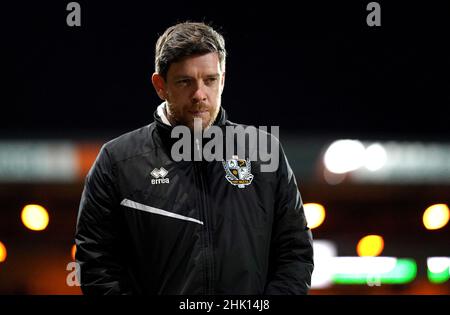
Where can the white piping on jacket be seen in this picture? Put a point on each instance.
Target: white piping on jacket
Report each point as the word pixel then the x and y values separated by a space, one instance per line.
pixel 139 206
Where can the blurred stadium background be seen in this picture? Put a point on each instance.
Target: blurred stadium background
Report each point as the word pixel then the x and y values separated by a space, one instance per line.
pixel 362 116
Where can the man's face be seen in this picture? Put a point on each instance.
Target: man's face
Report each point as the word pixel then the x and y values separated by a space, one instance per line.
pixel 193 89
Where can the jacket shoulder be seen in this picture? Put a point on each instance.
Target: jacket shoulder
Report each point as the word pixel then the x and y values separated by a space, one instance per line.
pixel 130 144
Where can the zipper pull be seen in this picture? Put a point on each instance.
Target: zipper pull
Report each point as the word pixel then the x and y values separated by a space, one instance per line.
pixel 198 150
pixel 198 144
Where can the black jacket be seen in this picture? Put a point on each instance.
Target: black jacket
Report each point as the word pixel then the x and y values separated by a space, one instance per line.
pixel 149 225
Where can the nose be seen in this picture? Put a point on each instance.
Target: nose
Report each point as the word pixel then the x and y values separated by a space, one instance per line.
pixel 199 94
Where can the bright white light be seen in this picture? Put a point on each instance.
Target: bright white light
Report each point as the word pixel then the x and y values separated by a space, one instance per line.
pixel 438 264
pixel 375 157
pixel 362 265
pixel 324 251
pixel 344 156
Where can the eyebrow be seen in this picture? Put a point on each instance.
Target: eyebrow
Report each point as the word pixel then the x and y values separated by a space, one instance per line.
pixel 215 75
pixel 181 77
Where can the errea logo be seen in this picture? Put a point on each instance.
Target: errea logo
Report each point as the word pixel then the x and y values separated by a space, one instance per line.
pixel 159 175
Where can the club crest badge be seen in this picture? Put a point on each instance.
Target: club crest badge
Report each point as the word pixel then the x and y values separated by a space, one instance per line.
pixel 238 171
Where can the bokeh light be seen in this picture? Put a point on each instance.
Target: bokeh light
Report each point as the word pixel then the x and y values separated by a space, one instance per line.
pixel 375 157
pixel 73 251
pixel 3 252
pixel 344 156
pixel 436 216
pixel 35 217
pixel 315 214
pixel 370 245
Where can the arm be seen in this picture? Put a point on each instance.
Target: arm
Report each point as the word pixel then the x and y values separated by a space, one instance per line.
pixel 97 233
pixel 291 254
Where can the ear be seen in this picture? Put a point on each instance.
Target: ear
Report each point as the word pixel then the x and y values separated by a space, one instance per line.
pixel 160 85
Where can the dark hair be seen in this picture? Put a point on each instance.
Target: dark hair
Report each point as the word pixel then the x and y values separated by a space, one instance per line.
pixel 184 40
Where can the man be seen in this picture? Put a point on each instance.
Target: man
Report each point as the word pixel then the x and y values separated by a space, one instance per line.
pixel 149 224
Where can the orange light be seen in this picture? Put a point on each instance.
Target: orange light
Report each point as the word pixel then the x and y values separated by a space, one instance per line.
pixel 35 217
pixel 436 216
pixel 315 214
pixel 73 251
pixel 3 252
pixel 370 245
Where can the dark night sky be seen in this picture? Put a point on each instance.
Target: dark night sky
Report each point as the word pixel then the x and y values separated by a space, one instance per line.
pixel 315 69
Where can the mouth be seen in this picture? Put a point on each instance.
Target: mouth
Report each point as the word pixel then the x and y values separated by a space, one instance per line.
pixel 200 112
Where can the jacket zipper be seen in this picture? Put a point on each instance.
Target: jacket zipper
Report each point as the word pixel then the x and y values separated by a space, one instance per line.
pixel 206 227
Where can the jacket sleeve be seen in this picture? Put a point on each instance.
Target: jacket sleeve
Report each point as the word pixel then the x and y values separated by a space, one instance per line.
pixel 291 254
pixel 97 232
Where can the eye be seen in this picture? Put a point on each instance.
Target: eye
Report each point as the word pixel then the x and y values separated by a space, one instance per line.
pixel 210 81
pixel 183 82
